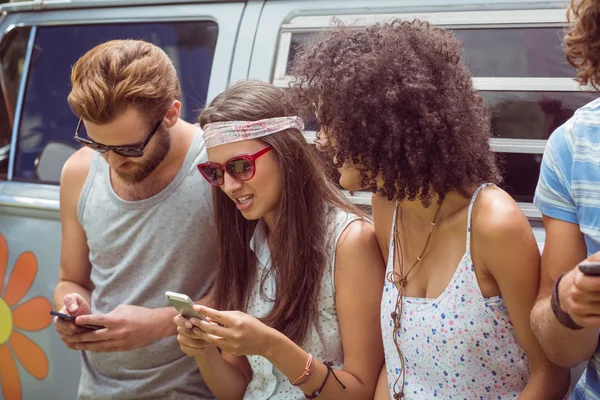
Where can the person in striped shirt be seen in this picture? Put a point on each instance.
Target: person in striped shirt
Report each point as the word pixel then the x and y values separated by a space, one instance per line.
pixel 566 318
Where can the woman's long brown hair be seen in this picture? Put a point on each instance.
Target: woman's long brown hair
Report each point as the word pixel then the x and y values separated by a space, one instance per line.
pixel 298 241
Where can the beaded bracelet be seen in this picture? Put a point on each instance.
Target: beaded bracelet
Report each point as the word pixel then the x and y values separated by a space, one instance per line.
pixel 310 367
pixel 317 392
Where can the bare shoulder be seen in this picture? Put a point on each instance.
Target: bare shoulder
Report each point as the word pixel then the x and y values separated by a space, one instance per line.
pixel 357 256
pixel 73 176
pixel 357 243
pixel 358 233
pixel 503 243
pixel 76 168
pixel 497 216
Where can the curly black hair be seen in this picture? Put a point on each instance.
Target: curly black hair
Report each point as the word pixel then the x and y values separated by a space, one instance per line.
pixel 397 99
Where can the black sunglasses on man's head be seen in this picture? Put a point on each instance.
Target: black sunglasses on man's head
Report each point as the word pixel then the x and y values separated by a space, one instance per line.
pixel 133 150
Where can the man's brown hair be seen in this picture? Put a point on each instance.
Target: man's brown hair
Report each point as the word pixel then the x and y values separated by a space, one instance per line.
pixel 121 73
pixel 582 41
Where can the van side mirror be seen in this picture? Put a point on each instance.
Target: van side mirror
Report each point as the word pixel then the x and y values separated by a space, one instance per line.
pixel 48 165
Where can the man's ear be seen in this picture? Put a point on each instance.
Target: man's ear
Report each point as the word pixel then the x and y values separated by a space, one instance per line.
pixel 173 113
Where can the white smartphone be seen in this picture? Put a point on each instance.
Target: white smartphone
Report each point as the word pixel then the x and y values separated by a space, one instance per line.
pixel 183 304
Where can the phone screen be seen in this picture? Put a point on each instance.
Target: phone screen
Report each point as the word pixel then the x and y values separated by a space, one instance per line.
pixel 71 318
pixel 183 304
pixel 66 317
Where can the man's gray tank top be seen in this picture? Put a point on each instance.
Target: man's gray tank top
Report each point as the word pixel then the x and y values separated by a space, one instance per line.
pixel 139 250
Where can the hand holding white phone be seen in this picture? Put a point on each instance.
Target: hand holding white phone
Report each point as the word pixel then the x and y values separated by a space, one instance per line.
pixel 183 304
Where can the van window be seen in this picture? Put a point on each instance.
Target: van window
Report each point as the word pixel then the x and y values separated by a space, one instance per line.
pixel 297 40
pixel 532 115
pixel 521 172
pixel 517 52
pixel 12 57
pixel 46 115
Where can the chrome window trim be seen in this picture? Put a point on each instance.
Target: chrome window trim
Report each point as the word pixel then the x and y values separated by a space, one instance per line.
pixel 364 199
pixel 530 211
pixel 526 146
pixel 19 105
pixel 455 19
pixel 44 5
pixel 501 145
pixel 29 203
pixel 514 84
pixel 4 93
pixel 283 52
pixel 124 20
pixel 486 84
pixel 30 196
pixel 8 29
pixel 359 198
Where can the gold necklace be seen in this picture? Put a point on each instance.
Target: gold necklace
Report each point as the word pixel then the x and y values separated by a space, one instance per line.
pixel 400 285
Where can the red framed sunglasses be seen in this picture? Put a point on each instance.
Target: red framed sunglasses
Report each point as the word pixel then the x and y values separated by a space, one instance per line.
pixel 241 168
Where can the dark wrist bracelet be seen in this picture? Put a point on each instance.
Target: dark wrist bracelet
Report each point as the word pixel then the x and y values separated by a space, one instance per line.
pixel 562 317
pixel 330 371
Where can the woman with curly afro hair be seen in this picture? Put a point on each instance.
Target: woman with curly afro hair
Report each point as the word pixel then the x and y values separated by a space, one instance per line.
pixel 399 116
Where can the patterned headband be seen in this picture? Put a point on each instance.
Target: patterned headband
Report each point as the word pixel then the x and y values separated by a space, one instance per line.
pixel 219 133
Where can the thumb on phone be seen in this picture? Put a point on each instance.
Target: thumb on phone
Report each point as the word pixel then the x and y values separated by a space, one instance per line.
pixel 76 304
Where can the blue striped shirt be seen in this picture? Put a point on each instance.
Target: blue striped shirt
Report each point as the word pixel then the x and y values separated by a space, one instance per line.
pixel 569 190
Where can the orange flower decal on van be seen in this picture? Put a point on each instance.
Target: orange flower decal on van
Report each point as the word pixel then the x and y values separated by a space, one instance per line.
pixel 31 315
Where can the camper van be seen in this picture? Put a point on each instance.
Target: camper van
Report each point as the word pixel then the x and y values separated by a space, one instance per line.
pixel 513 47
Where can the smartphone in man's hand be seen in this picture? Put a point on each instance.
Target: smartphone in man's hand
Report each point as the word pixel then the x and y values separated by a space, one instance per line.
pixel 590 268
pixel 71 318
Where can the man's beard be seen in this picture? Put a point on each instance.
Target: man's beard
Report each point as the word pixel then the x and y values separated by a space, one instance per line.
pixel 142 171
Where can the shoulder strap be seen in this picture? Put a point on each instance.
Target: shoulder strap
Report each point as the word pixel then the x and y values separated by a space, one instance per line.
pixel 471 211
pixel 89 180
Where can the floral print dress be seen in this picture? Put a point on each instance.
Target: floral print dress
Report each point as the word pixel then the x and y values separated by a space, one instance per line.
pixel 457 346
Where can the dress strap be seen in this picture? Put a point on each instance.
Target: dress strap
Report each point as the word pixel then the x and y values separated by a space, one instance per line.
pixel 471 211
pixel 393 231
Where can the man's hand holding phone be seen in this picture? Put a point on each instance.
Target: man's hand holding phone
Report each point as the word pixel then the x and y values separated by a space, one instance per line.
pixel 127 328
pixel 119 330
pixel 74 305
pixel 579 293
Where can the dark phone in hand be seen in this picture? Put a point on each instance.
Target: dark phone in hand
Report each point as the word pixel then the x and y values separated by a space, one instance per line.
pixel 590 268
pixel 71 318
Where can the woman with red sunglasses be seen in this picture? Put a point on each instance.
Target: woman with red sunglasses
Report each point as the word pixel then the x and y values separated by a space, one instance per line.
pixel 296 297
